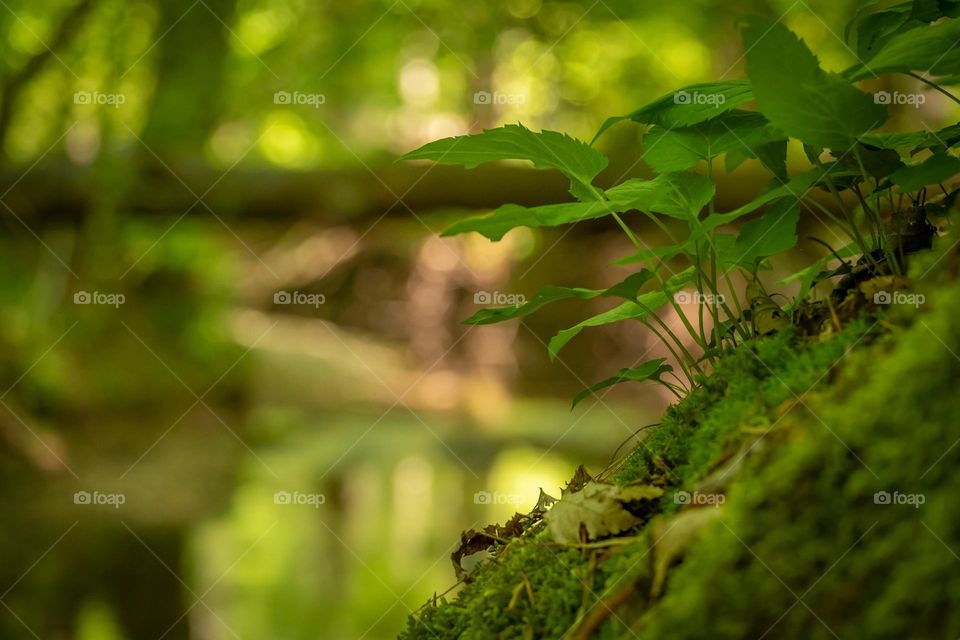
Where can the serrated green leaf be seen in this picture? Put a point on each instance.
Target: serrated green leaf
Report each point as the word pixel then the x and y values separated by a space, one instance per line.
pixel 627 289
pixel 943 139
pixel 798 96
pixel 875 28
pixel 496 224
pixel 934 170
pixel 679 148
pixel 858 16
pixel 651 370
pixel 677 195
pixel 773 232
pixel 642 308
pixel 931 49
pixel 545 149
pixel 690 105
pixel 897 141
pixel 793 189
pixel 773 156
pixel 877 162
pixel 724 246
pixel 734 158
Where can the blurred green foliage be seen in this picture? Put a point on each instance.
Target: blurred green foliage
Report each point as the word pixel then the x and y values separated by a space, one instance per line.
pixel 102 99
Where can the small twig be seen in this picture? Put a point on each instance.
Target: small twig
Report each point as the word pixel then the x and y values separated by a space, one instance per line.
pixel 600 544
pixel 601 611
pixel 613 458
pixel 833 315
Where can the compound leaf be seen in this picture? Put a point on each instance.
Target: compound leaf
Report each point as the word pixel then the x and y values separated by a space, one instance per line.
pixel 934 170
pixel 677 195
pixel 690 105
pixel 676 149
pixel 800 98
pixel 638 310
pixel 545 149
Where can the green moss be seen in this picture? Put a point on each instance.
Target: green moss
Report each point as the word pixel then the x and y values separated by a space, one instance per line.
pixel 800 549
pixel 497 603
pixel 805 522
pixel 745 390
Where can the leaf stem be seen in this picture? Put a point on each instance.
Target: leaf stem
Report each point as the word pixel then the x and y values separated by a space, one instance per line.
pixel 934 85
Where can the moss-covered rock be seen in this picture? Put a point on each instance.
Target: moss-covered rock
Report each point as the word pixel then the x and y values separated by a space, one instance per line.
pixel 836 461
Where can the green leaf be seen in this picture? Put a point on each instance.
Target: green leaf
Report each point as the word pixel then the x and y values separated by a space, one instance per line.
pixel 795 188
pixel 772 155
pixel 792 190
pixel 546 149
pixel 724 245
pixel 642 308
pixel 690 105
pixel 798 96
pixel 931 49
pixel 496 224
pixel 875 28
pixel 936 169
pixel 898 141
pixel 915 141
pixel 944 139
pixel 808 274
pixel 878 162
pixel 627 289
pixel 651 370
pixel 949 8
pixel 651 253
pixel 773 232
pixel 677 195
pixel 679 148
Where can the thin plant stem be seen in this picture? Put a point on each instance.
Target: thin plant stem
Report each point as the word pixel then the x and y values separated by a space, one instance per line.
pixel 934 85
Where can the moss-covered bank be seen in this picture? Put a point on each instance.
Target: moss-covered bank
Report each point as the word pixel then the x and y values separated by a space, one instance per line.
pixel 799 437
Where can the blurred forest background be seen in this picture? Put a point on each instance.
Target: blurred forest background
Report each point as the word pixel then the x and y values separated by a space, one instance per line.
pixel 220 286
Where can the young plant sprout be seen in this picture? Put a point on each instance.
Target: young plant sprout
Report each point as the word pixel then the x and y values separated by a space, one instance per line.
pixel 879 183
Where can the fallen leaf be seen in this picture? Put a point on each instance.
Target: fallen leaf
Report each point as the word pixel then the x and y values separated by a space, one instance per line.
pixel 598 510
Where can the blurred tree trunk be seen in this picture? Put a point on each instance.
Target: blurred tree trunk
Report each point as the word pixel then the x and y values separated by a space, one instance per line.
pixel 150 599
pixel 13 85
pixel 193 42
